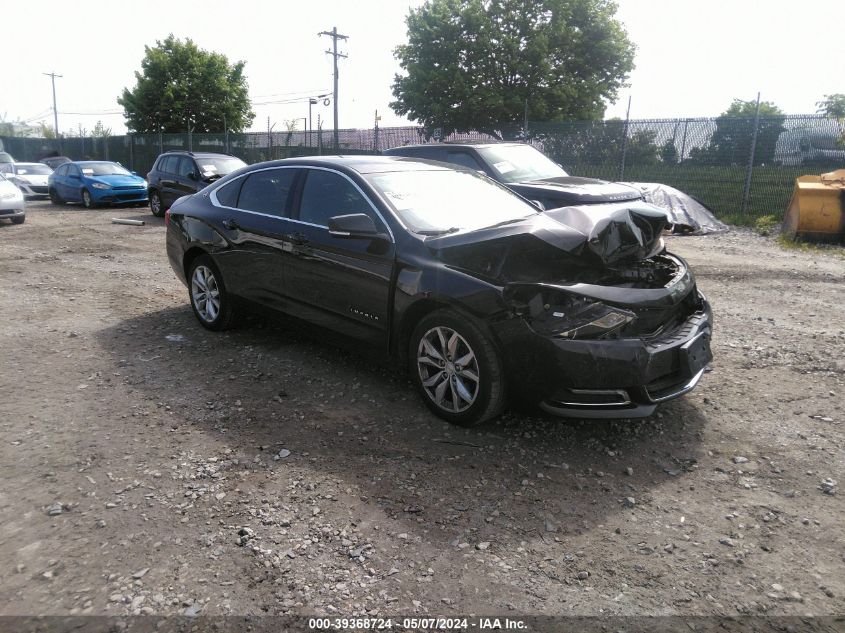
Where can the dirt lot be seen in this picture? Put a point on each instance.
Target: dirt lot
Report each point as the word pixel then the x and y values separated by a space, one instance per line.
pixel 149 466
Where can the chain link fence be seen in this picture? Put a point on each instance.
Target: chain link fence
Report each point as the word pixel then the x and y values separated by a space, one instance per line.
pixel 741 167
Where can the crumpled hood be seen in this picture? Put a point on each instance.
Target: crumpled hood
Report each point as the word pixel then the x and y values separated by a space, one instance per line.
pixel 603 235
pixel 569 190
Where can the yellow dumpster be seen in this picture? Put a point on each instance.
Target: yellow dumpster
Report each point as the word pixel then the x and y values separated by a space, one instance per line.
pixel 817 208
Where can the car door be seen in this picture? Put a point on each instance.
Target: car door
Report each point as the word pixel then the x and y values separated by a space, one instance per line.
pixel 167 180
pixel 187 177
pixel 253 211
pixel 71 185
pixel 343 284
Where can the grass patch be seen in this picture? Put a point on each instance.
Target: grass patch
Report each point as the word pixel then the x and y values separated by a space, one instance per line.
pixel 819 248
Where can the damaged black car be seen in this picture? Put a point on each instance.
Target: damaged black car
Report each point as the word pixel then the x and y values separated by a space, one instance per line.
pixel 579 310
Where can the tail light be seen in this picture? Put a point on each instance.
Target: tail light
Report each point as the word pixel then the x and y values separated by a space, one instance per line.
pixel 167 218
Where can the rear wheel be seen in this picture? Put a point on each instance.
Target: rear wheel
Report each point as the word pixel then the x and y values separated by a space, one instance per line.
pixel 212 305
pixel 155 204
pixel 55 198
pixel 19 220
pixel 87 200
pixel 457 369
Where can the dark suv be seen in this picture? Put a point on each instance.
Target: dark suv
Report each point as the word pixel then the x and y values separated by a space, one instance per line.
pixel 176 174
pixel 525 170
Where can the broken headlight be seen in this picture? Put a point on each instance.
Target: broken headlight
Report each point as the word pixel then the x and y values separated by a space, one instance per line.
pixel 571 316
pixel 589 319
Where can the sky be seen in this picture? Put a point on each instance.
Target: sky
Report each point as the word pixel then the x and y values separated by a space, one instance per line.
pixel 693 58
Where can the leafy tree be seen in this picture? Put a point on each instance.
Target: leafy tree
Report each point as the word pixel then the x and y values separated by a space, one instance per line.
pixel 668 152
pixel 641 148
pixel 47 131
pixel 832 106
pixel 473 64
pixel 101 131
pixel 184 86
pixel 731 141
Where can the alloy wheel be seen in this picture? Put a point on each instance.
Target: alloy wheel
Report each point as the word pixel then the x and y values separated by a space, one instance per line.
pixel 205 293
pixel 448 369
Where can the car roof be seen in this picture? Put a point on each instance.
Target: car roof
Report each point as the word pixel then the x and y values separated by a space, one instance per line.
pixel 88 162
pixel 364 164
pixel 28 163
pixel 454 144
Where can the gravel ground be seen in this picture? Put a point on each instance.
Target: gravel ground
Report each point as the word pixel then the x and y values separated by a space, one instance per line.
pixel 152 467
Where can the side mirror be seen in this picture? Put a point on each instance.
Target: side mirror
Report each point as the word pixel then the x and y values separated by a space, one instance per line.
pixel 538 204
pixel 355 226
pixel 134 173
pixel 192 175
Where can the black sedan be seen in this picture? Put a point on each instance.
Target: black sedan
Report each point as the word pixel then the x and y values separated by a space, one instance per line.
pixel 461 280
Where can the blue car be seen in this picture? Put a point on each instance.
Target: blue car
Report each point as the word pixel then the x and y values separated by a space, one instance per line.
pixel 96 182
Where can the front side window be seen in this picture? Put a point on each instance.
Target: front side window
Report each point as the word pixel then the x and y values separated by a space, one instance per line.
pixel 464 159
pixel 326 195
pixel 447 201
pixel 266 191
pixel 186 167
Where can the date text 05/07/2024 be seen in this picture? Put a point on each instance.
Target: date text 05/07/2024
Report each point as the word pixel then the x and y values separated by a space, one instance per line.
pixel 416 624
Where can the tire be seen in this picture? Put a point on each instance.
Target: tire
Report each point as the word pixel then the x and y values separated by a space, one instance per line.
pixel 466 394
pixel 203 278
pixel 19 220
pixel 87 200
pixel 55 198
pixel 156 205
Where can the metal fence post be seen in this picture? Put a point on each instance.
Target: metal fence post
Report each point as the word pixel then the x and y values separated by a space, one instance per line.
pixel 746 192
pixel 131 154
pixel 684 142
pixel 624 142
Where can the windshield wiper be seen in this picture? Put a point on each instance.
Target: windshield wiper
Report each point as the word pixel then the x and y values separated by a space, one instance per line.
pixel 454 229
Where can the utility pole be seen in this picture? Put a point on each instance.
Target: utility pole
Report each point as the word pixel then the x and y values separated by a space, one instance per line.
pixel 53 76
pixel 335 37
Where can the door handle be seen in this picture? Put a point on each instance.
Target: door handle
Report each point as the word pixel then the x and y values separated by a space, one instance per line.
pixel 298 239
pixel 230 224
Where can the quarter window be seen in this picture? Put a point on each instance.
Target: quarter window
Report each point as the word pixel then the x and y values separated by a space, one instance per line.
pixel 168 164
pixel 326 194
pixel 266 191
pixel 227 195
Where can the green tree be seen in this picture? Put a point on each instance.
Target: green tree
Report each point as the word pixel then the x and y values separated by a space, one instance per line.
pixel 832 106
pixel 668 152
pixel 731 141
pixel 473 64
pixel 641 148
pixel 184 86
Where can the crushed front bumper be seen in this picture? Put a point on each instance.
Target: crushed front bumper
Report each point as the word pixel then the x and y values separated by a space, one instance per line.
pixel 612 378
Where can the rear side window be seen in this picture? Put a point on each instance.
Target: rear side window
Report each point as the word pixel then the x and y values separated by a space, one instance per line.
pixel 168 164
pixel 266 191
pixel 227 195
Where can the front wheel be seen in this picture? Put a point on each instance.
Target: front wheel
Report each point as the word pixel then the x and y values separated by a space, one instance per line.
pixel 155 204
pixel 87 200
pixel 210 302
pixel 457 369
pixel 19 220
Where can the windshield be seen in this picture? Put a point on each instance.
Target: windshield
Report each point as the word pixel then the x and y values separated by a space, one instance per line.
pixel 445 201
pixel 520 163
pixel 103 169
pixel 33 169
pixel 213 166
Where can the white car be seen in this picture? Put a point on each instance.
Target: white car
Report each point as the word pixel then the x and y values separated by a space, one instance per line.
pixel 12 205
pixel 30 178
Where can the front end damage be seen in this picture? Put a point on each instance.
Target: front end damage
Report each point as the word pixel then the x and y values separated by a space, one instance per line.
pixel 605 325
